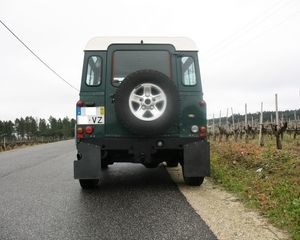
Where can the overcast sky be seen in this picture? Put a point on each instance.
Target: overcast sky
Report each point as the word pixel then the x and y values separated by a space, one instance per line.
pixel 248 50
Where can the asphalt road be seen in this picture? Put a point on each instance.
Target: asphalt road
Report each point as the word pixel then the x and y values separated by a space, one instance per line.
pixel 39 199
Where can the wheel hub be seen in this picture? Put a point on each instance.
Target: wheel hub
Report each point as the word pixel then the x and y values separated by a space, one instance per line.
pixel 147 102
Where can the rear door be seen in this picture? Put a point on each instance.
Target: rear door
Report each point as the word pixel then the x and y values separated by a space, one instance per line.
pixel 122 60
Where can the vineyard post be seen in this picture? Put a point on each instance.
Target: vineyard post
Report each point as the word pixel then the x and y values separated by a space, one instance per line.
pixel 261 136
pixel 278 143
pixel 227 124
pixel 252 128
pixel 246 115
pixel 276 108
pixel 233 126
pixel 297 121
pixel 220 134
pixel 276 129
pixel 240 132
pixel 213 128
pixel 246 125
pixel 271 118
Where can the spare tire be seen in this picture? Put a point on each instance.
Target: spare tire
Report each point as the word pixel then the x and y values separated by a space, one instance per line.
pixel 147 102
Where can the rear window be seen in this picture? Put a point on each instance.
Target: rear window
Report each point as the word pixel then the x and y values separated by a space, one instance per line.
pixel 126 62
pixel 93 76
pixel 188 71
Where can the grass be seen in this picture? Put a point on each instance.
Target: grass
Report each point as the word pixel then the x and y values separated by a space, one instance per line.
pixel 263 177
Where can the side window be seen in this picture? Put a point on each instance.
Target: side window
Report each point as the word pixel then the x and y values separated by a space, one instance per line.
pixel 188 71
pixel 93 76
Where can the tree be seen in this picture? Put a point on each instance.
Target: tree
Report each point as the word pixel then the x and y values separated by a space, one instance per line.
pixel 1 129
pixel 7 130
pixel 20 127
pixel 30 127
pixel 53 126
pixel 66 127
pixel 59 130
pixel 72 130
pixel 43 129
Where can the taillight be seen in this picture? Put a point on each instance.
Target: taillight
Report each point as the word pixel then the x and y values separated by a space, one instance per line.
pixel 202 131
pixel 80 135
pixel 202 103
pixel 80 130
pixel 89 130
pixel 79 103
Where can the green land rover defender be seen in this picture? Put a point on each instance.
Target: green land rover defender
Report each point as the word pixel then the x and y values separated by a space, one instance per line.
pixel 141 101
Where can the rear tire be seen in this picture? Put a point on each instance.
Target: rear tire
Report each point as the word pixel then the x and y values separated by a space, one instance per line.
pixel 88 183
pixel 193 181
pixel 172 163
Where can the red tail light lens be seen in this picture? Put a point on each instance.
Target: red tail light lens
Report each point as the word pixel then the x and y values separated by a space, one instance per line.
pixel 80 135
pixel 80 132
pixel 79 103
pixel 202 103
pixel 202 131
pixel 89 130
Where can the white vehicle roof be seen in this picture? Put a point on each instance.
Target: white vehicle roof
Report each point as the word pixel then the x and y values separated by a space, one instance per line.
pixel 102 43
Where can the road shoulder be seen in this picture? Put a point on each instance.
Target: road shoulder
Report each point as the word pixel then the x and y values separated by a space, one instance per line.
pixel 226 216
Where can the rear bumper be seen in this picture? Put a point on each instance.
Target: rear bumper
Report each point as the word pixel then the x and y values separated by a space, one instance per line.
pixel 195 154
pixel 151 143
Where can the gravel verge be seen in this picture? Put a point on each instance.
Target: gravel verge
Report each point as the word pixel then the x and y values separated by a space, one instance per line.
pixel 226 216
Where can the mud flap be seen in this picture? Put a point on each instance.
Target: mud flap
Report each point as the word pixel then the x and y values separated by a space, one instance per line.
pixel 196 159
pixel 89 166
